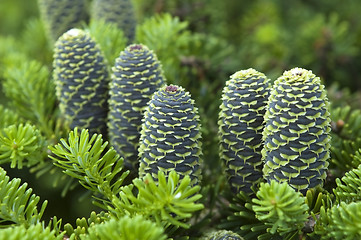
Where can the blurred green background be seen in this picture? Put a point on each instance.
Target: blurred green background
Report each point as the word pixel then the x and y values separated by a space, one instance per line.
pixel 220 38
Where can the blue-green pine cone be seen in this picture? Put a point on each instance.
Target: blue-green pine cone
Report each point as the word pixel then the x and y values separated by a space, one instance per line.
pixel 61 15
pixel 170 136
pixel 137 74
pixel 241 123
pixel 119 12
pixel 222 235
pixel 81 78
pixel 297 132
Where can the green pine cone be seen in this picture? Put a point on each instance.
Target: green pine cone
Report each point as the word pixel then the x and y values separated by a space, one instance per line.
pixel 81 78
pixel 222 235
pixel 120 12
pixel 241 123
pixel 170 136
pixel 137 74
pixel 297 132
pixel 61 15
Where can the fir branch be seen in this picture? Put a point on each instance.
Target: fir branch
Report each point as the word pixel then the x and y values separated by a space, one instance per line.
pixel 349 187
pixel 110 38
pixel 280 207
pixel 83 224
pixel 8 117
pixel 341 221
pixel 170 40
pixel 33 232
pixel 167 201
pixel 126 228
pixel 17 204
pixel 31 93
pixel 87 160
pixel 19 143
pixel 121 13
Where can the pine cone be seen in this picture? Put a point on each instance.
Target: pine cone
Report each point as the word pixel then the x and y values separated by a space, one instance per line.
pixel 137 74
pixel 61 15
pixel 241 123
pixel 222 235
pixel 81 79
pixel 170 136
pixel 120 12
pixel 297 132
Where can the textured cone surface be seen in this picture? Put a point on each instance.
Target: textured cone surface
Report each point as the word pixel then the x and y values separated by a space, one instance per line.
pixel 119 12
pixel 61 15
pixel 241 123
pixel 170 136
pixel 81 79
pixel 137 74
pixel 296 135
pixel 223 235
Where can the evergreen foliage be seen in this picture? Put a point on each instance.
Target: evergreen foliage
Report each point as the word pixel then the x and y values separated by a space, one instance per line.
pixel 17 203
pixel 61 15
pixel 86 158
pixel 168 201
pixel 33 232
pixel 349 187
pixel 83 224
pixel 119 12
pixel 81 79
pixel 31 94
pixel 241 124
pixel 296 136
pixel 170 136
pixel 342 221
pixel 137 74
pixel 126 228
pixel 280 207
pixel 199 45
pixel 346 124
pixel 110 38
pixel 21 145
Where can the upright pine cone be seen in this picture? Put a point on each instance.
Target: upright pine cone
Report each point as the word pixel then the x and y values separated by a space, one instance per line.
pixel 61 15
pixel 137 74
pixel 170 136
pixel 81 79
pixel 222 235
pixel 241 123
pixel 119 12
pixel 297 132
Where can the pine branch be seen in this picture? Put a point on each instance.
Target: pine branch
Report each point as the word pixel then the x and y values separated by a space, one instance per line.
pixel 126 228
pixel 33 232
pixel 21 144
pixel 110 38
pixel 17 205
pixel 167 201
pixel 31 93
pixel 87 160
pixel 280 207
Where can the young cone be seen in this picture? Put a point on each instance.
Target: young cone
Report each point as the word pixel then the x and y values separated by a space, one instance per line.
pixel 120 12
pixel 297 132
pixel 81 79
pixel 137 74
pixel 241 123
pixel 170 136
pixel 61 15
